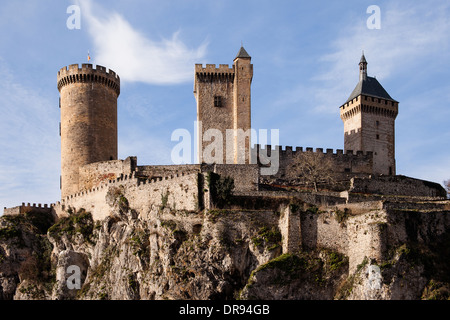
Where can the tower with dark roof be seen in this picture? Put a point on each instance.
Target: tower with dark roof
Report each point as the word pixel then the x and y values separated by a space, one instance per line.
pixel 223 97
pixel 369 121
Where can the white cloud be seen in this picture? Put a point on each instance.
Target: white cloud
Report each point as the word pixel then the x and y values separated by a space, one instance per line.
pixel 407 35
pixel 133 55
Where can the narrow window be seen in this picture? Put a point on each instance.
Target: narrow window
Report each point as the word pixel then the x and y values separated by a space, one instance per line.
pixel 378 137
pixel 217 101
pixel 378 123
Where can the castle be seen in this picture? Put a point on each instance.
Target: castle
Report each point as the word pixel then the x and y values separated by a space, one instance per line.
pixel 365 174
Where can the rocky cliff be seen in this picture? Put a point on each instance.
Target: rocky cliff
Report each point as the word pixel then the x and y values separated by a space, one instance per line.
pixel 211 254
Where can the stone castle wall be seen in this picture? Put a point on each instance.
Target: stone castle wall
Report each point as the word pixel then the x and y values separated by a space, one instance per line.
pixel 397 186
pixel 24 208
pixel 344 164
pixel 95 174
pixel 372 230
pixel 179 192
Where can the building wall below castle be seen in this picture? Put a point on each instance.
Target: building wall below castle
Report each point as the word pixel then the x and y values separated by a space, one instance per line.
pixel 397 186
pixel 174 192
pixel 246 177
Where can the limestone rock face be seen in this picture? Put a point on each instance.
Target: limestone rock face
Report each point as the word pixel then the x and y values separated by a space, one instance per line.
pixel 71 271
pixel 212 254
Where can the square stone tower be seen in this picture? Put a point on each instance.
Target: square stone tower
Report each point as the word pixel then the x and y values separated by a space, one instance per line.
pixel 369 121
pixel 223 98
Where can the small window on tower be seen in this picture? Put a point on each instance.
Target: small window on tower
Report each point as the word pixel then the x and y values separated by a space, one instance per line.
pixel 378 137
pixel 378 123
pixel 217 101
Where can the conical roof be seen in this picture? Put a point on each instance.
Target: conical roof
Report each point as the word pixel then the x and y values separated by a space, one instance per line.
pixel 242 54
pixel 370 87
pixel 363 59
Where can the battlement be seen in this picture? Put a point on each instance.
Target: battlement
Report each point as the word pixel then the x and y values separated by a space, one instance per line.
pixel 211 72
pixel 368 104
pixel 142 193
pixel 130 179
pixel 119 180
pixel 289 151
pixel 344 164
pixel 87 73
pixel 24 208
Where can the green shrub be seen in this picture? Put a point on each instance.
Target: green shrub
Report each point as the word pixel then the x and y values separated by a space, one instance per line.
pixel 80 222
pixel 220 189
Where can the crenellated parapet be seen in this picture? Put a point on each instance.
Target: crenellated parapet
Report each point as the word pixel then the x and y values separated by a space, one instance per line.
pixel 348 162
pixel 289 151
pixel 128 180
pixel 368 104
pixel 28 207
pixel 88 74
pixel 211 72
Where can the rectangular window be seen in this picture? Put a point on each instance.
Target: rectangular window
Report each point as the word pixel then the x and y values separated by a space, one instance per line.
pixel 378 137
pixel 217 101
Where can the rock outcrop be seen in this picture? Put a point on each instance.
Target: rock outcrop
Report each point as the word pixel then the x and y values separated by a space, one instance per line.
pixel 210 254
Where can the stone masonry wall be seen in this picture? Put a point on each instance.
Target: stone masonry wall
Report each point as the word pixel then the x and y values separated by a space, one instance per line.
pixel 180 191
pixel 344 163
pixel 24 208
pixel 397 185
pixel 88 120
pixel 94 174
pixel 246 177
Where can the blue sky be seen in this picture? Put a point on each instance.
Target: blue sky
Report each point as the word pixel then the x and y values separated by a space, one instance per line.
pixel 305 56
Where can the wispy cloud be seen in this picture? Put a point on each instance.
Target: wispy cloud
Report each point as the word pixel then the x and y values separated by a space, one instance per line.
pixel 133 55
pixel 408 34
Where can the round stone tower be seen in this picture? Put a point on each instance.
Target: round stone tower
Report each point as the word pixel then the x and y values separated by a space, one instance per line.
pixel 88 129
